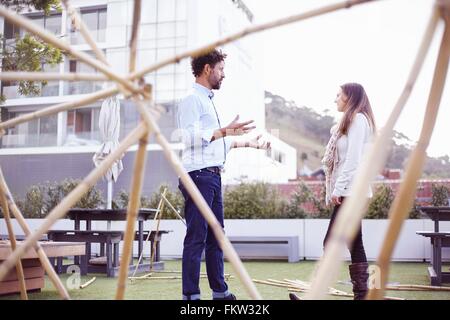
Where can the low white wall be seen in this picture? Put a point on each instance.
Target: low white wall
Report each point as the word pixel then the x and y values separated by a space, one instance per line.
pixel 310 232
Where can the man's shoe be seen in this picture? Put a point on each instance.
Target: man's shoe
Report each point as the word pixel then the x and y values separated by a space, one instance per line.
pixel 293 296
pixel 228 297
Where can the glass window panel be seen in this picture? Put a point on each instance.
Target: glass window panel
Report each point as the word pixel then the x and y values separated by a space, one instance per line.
pixel 82 127
pixel 164 82
pixel 166 10
pixel 148 31
pixel 181 9
pixel 48 131
pixel 148 12
pixel 34 133
pixel 102 22
pixel 90 19
pixel 53 24
pixel 181 29
pixel 166 30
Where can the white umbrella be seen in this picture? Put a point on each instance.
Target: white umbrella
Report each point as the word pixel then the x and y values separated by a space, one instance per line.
pixel 109 124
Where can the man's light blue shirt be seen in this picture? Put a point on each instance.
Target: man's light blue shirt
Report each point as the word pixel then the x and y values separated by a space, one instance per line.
pixel 197 120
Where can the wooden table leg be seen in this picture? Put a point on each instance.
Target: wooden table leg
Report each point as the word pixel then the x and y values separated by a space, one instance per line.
pixel 109 271
pixel 141 237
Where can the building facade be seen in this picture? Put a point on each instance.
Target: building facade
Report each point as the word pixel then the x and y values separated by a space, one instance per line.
pixel 61 146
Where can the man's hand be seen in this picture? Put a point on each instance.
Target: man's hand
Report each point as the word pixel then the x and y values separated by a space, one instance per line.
pixel 336 200
pixel 235 128
pixel 253 143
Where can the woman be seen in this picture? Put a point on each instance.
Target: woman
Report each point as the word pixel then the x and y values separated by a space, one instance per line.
pixel 342 157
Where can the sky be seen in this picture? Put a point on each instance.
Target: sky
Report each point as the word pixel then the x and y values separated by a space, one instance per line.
pixel 374 44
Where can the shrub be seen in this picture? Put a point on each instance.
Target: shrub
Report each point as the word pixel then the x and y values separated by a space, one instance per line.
pixel 253 201
pixel 304 203
pixel 381 202
pixel 174 197
pixel 440 195
pixel 41 199
pixel 57 191
pixel 123 198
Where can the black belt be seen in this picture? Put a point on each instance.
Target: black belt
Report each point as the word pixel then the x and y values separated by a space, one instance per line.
pixel 215 170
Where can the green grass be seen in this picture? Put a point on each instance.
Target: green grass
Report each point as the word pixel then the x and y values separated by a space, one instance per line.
pixel 104 288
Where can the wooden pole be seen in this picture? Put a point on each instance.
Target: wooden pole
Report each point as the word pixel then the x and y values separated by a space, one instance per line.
pixel 352 210
pixel 51 76
pixel 85 32
pixel 39 251
pixel 158 212
pixel 139 169
pixel 133 207
pixel 12 239
pixel 87 99
pixel 200 202
pixel 61 209
pixel 134 34
pixel 88 283
pixel 152 256
pixel 405 196
pixel 173 209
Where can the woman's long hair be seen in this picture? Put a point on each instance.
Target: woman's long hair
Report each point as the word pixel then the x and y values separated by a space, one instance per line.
pixel 357 102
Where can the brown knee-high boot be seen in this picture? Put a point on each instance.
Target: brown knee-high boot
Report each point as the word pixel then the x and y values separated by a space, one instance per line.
pixel 359 276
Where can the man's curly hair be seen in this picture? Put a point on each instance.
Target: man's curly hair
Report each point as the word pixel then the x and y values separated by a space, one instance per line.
pixel 211 58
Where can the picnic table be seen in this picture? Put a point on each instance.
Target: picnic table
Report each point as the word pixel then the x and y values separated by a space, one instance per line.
pixel 439 239
pixel 108 239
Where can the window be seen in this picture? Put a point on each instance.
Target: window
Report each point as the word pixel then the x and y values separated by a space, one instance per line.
pixel 80 87
pixel 40 132
pixel 82 127
pixel 50 23
pixel 95 21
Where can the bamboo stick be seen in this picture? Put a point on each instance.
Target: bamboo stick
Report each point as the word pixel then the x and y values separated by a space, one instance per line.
pixel 85 32
pixel 12 239
pixel 134 34
pixel 423 287
pixel 353 207
pixel 53 40
pixel 40 252
pixel 152 256
pixel 50 76
pixel 405 196
pixel 158 211
pixel 133 207
pixel 61 209
pixel 87 99
pixel 248 31
pixel 200 202
pixel 178 272
pixel 174 210
pixel 87 283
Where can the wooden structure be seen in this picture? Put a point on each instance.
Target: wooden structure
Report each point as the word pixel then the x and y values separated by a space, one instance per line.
pixel 352 211
pixel 32 267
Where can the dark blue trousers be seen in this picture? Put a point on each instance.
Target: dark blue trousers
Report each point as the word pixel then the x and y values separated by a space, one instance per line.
pixel 199 237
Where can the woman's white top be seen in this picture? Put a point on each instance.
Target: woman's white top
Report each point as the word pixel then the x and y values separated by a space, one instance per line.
pixel 350 150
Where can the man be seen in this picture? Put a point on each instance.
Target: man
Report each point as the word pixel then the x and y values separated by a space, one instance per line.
pixel 206 147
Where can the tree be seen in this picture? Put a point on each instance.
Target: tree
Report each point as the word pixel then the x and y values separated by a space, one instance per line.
pixel 29 53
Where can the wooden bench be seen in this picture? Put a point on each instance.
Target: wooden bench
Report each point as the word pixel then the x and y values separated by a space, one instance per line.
pixel 33 270
pixel 439 240
pixel 110 239
pixel 154 237
pixel 262 247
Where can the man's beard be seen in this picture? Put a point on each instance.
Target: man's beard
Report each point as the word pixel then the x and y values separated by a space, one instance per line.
pixel 216 86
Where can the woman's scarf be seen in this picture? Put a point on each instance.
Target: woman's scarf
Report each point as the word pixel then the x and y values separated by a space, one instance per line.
pixel 329 162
